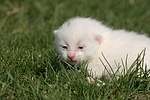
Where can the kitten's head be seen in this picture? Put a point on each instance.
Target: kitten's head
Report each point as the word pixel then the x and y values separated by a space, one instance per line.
pixel 78 40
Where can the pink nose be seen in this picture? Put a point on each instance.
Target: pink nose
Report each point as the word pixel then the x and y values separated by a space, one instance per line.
pixel 71 55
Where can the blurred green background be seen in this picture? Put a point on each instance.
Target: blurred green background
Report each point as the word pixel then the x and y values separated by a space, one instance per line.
pixel 27 44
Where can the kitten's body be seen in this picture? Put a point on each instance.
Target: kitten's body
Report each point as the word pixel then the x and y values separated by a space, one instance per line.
pixel 84 39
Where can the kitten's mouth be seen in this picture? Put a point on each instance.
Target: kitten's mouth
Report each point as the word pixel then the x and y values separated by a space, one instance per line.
pixel 73 61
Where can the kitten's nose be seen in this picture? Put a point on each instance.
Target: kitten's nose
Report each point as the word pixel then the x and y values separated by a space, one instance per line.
pixel 71 55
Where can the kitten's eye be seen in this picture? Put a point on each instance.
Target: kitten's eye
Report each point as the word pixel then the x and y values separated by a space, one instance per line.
pixel 64 47
pixel 80 47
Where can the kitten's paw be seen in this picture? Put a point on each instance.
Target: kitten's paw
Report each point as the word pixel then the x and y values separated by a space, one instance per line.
pixel 92 80
pixel 100 82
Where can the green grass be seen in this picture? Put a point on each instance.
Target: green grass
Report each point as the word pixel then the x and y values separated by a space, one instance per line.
pixel 29 66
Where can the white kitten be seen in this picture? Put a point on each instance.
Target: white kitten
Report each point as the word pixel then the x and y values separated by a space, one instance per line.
pixel 85 39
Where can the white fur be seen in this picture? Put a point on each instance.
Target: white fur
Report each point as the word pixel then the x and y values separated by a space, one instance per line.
pixel 96 39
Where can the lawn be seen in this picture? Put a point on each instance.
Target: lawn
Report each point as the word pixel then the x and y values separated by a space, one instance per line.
pixel 30 68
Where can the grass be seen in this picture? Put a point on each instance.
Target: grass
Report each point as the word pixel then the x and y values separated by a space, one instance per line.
pixel 30 67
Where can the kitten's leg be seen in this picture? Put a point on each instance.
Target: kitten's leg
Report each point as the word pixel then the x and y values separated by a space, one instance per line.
pixel 95 72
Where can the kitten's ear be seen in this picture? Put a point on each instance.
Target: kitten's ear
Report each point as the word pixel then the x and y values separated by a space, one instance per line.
pixel 98 38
